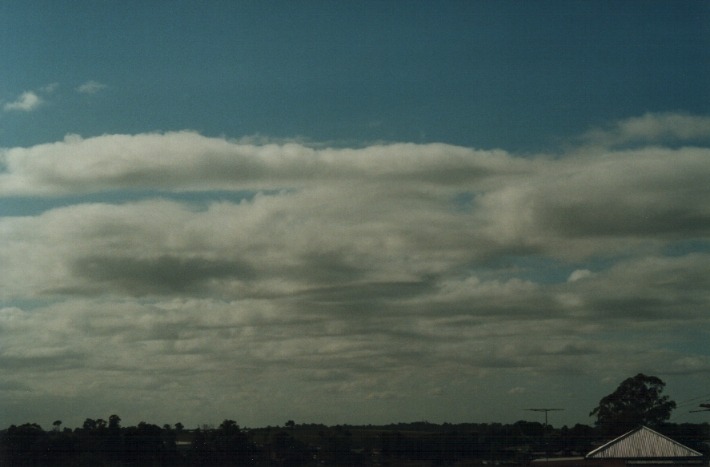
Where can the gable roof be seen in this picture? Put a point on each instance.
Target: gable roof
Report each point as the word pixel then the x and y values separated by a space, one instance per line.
pixel 640 443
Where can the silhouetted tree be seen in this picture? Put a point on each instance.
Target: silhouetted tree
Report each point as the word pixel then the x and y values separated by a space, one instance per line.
pixel 286 450
pixel 114 422
pixel 143 445
pixel 231 445
pixel 89 424
pixel 637 401
pixel 62 448
pixel 25 445
pixel 199 452
pixel 114 440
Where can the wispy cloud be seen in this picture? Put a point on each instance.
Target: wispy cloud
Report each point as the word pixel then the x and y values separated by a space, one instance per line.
pixel 90 87
pixel 652 128
pixel 50 88
pixel 26 102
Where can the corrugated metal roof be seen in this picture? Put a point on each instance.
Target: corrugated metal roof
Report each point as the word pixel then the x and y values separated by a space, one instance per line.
pixel 642 442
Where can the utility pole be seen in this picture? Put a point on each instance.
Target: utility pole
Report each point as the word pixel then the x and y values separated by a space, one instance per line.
pixel 544 429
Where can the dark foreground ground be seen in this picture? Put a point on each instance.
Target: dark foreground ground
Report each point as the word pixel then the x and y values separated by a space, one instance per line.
pixel 101 443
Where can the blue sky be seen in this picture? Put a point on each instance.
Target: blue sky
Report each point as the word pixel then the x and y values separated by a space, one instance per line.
pixel 516 75
pixel 350 212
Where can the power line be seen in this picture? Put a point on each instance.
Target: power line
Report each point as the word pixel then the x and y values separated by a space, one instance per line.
pixel 705 408
pixel 693 400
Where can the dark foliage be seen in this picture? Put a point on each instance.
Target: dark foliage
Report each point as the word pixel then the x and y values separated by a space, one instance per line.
pixel 100 443
pixel 637 401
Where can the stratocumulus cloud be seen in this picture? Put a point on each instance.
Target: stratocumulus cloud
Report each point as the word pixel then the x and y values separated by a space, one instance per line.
pixel 369 271
pixel 189 161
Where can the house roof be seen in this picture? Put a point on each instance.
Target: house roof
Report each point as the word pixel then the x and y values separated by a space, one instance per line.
pixel 641 443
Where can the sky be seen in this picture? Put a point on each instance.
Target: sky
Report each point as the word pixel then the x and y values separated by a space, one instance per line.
pixel 351 212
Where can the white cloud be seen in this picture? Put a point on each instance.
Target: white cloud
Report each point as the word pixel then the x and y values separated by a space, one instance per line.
pixel 579 274
pixel 188 161
pixel 27 102
pixel 652 128
pixel 90 87
pixel 343 276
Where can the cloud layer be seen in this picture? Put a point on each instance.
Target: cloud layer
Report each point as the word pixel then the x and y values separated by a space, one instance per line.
pixel 348 284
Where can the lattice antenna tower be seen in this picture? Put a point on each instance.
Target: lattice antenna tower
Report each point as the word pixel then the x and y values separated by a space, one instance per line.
pixel 546 410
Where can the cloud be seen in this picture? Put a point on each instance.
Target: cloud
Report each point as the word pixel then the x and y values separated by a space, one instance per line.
pixel 605 201
pixel 579 274
pixel 50 88
pixel 90 87
pixel 166 274
pixel 653 128
pixel 27 102
pixel 189 161
pixel 344 277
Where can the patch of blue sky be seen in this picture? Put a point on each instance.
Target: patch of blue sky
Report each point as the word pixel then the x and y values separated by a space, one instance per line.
pixel 689 339
pixel 535 268
pixel 32 206
pixel 541 269
pixel 680 338
pixel 27 304
pixel 464 201
pixel 685 247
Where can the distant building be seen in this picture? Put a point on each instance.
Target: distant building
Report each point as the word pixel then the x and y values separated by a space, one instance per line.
pixel 640 447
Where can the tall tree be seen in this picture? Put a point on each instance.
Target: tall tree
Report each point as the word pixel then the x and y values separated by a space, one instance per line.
pixel 637 401
pixel 114 422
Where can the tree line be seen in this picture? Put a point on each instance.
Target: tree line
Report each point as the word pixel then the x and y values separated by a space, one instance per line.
pixel 98 442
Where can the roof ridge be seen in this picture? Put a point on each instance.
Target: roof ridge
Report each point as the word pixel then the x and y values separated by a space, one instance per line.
pixel 643 447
